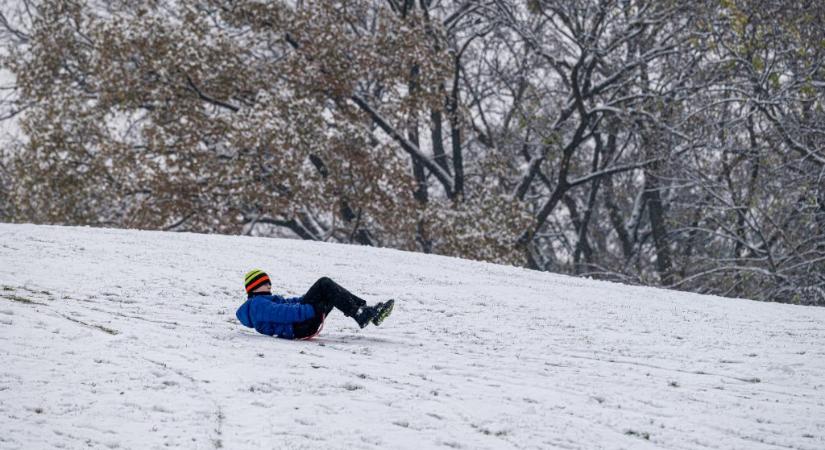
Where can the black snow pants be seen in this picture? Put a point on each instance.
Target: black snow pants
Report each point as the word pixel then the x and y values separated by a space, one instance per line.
pixel 325 295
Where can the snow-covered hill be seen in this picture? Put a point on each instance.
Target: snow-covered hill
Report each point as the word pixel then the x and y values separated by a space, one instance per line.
pixel 125 339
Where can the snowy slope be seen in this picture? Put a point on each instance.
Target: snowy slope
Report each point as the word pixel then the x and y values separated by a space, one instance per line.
pixel 126 339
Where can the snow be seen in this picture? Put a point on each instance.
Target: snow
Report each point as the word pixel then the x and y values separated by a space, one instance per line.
pixel 127 339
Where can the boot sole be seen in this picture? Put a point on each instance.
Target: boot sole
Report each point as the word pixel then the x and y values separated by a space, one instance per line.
pixel 385 312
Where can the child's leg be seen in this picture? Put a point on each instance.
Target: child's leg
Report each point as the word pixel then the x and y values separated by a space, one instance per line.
pixel 326 294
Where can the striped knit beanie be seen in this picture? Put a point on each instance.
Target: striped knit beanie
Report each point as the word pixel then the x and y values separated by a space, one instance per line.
pixel 255 278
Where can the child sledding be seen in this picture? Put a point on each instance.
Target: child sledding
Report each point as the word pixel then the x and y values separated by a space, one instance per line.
pixel 302 317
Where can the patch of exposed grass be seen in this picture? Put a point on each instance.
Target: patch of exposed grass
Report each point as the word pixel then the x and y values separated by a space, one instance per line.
pixel 642 434
pixel 92 325
pixel 7 288
pixel 489 432
pixel 19 299
pixel 750 380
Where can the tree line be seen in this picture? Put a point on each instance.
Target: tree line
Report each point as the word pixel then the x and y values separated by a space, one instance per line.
pixel 678 144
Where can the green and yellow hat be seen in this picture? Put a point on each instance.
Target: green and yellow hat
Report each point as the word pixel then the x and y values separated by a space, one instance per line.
pixel 255 278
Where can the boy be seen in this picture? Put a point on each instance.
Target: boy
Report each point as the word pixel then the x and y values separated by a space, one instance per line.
pixel 302 317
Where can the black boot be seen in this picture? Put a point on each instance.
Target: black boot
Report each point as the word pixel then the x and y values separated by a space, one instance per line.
pixel 375 314
pixel 364 315
pixel 382 311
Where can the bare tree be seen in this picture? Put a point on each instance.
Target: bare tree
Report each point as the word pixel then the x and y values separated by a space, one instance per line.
pixel 657 142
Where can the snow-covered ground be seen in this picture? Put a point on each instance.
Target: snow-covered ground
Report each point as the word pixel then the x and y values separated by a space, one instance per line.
pixel 126 339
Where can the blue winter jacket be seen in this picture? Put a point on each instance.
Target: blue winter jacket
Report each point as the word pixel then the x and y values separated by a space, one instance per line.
pixel 274 315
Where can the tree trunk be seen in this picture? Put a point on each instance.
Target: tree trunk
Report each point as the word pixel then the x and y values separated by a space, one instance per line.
pixel 657 222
